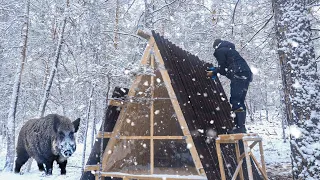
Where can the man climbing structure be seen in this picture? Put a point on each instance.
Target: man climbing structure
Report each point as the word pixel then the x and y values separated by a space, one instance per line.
pixel 235 68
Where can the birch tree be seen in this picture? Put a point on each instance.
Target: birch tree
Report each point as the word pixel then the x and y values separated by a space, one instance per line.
pixel 15 93
pixel 301 85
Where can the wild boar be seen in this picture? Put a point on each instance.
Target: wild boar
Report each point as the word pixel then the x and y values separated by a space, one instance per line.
pixel 47 139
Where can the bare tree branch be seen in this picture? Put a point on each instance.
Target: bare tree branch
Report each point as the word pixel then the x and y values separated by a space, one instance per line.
pixel 234 12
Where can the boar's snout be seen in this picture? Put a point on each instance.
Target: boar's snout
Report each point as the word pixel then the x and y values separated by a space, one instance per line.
pixel 66 143
pixel 67 148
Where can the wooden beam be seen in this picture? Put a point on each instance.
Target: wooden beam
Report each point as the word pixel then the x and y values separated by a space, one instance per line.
pixel 143 34
pixel 91 168
pixel 151 177
pixel 251 146
pixel 105 134
pixel 262 157
pixel 238 169
pixel 221 167
pixel 246 153
pixel 113 102
pixel 236 136
pixel 239 160
pixel 178 111
pixel 259 167
pixel 152 137
pixel 152 119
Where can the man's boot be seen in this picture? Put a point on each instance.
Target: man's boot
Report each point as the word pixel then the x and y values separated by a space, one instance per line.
pixel 241 120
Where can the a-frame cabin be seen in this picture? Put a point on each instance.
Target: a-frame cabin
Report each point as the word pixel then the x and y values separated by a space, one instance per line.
pixel 167 124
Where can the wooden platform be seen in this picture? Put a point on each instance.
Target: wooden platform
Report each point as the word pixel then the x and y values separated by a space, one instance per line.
pixel 245 138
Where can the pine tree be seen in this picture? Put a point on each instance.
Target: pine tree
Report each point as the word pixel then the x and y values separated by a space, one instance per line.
pixel 301 86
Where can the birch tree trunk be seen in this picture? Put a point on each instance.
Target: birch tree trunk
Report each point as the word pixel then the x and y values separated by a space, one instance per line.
pixel 15 94
pixel 301 86
pixel 46 94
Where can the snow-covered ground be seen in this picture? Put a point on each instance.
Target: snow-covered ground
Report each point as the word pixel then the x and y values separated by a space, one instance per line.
pixel 276 151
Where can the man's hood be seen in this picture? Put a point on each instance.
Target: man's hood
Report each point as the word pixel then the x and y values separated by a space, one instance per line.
pixel 227 44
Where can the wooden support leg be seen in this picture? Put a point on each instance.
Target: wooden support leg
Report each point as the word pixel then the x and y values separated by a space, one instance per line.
pixel 246 151
pixel 234 177
pixel 238 160
pixel 263 163
pixel 223 176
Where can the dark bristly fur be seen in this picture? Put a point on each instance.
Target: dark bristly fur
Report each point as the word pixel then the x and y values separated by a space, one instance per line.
pixel 47 139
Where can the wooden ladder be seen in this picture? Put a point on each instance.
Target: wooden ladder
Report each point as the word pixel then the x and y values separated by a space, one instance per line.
pixel 234 139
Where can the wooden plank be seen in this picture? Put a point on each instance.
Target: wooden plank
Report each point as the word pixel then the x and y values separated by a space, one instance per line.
pixel 246 152
pixel 251 146
pixel 259 166
pixel 91 168
pixel 113 102
pixel 262 157
pixel 238 169
pixel 230 141
pixel 221 167
pixel 237 136
pixel 152 177
pixel 105 134
pixel 112 141
pixel 153 137
pixel 239 161
pixel 152 119
pixel 176 106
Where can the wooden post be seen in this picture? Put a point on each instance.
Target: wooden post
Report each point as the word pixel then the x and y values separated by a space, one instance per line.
pixel 238 169
pixel 218 148
pixel 246 151
pixel 238 160
pixel 263 163
pixel 152 119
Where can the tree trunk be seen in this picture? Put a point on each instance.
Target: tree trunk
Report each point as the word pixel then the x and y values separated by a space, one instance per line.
pixel 15 94
pixel 148 14
pixel 93 133
pixel 116 28
pixel 301 86
pixel 86 122
pixel 46 94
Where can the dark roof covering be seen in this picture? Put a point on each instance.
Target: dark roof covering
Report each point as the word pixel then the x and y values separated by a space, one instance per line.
pixel 204 104
pixel 110 118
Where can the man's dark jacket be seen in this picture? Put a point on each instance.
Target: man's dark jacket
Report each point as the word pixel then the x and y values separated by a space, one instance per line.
pixel 231 64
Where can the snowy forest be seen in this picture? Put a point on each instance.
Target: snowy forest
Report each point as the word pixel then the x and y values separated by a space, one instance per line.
pixel 67 56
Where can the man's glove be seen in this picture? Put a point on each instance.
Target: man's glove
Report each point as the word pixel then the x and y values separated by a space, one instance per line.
pixel 212 72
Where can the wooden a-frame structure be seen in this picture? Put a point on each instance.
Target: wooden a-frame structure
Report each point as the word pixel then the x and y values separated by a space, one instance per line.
pixel 166 127
pixel 147 85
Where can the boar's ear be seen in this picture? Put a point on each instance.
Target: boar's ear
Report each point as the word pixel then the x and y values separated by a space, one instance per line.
pixel 76 124
pixel 56 122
